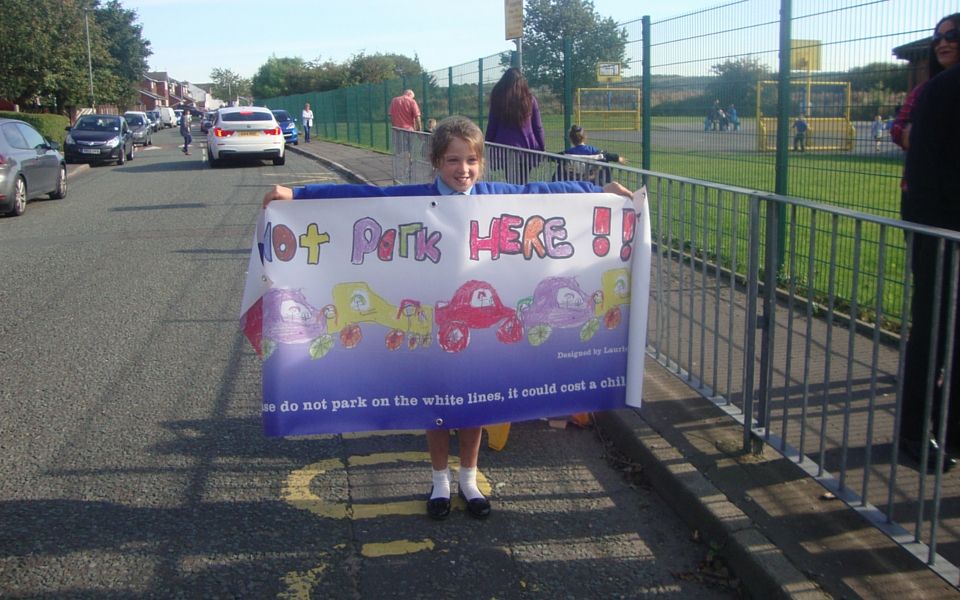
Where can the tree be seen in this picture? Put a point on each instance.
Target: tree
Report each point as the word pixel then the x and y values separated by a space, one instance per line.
pixel 281 76
pixel 123 39
pixel 228 85
pixel 884 76
pixel 736 83
pixel 377 68
pixel 43 52
pixel 593 39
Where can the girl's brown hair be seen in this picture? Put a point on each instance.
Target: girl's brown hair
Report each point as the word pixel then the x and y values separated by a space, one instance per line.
pixel 455 127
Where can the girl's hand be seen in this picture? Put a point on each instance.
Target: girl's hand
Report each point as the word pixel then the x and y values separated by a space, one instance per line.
pixel 615 188
pixel 277 193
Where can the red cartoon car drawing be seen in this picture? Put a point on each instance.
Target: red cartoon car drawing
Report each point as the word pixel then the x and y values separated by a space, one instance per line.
pixel 475 305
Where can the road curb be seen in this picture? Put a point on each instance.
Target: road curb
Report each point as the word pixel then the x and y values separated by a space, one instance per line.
pixel 761 566
pixel 353 176
pixel 74 170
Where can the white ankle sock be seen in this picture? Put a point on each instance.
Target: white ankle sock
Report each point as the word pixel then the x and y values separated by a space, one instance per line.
pixel 468 483
pixel 441 484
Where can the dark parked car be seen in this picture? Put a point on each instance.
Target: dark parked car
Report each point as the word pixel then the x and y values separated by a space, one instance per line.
pixel 155 123
pixel 288 126
pixel 30 166
pixel 207 121
pixel 99 138
pixel 139 124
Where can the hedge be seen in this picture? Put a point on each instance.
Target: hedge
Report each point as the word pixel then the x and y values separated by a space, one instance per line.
pixel 52 127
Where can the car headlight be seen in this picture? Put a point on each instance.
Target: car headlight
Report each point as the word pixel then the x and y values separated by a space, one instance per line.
pixel 112 142
pixel 68 140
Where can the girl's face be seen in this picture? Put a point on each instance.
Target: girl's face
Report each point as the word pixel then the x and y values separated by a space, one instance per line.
pixel 948 53
pixel 460 165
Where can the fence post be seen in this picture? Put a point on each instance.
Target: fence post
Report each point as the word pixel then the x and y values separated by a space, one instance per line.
pixel 783 123
pixel 450 91
pixel 567 85
pixel 425 103
pixel 480 96
pixel 646 91
pixel 749 334
pixel 356 112
pixel 333 110
pixel 771 269
pixel 386 111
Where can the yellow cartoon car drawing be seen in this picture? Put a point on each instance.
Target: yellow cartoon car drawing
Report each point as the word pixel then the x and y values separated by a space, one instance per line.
pixel 614 292
pixel 355 303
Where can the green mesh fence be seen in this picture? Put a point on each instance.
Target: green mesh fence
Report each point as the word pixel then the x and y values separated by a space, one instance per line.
pixel 712 83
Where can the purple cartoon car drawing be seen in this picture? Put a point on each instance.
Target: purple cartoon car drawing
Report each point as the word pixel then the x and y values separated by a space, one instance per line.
pixel 558 302
pixel 288 318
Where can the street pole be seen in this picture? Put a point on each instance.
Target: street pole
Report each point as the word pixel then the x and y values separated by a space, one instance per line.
pixel 86 23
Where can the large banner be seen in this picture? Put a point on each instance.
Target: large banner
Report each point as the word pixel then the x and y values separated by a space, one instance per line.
pixel 447 311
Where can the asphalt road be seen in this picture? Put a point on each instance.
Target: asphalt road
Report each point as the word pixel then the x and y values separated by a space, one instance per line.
pixel 132 463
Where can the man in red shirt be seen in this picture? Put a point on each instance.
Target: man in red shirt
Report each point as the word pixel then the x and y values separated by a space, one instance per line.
pixel 404 112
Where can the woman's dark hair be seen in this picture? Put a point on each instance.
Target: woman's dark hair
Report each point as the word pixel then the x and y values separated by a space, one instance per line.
pixel 511 99
pixel 935 68
pixel 576 135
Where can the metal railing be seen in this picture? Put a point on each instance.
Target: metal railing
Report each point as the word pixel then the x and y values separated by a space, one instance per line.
pixel 797 369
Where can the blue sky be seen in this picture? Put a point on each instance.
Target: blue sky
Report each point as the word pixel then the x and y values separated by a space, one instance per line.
pixel 190 38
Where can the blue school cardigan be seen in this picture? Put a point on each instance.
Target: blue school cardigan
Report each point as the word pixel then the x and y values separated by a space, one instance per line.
pixel 349 190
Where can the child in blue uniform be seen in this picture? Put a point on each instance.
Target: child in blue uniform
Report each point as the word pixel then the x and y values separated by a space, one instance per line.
pixel 456 152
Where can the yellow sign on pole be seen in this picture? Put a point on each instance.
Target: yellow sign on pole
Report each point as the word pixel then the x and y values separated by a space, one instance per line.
pixel 513 18
pixel 804 55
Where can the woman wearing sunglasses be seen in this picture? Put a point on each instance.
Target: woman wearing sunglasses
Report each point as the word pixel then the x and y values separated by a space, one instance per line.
pixel 944 53
pixel 928 127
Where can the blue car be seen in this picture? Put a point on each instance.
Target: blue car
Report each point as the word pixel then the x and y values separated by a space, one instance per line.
pixel 288 126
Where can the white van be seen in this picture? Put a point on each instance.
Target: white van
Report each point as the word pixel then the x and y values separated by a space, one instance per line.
pixel 167 117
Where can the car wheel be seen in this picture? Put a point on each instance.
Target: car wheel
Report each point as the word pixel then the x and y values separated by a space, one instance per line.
pixel 132 150
pixel 296 143
pixel 453 337
pixel 149 141
pixel 280 160
pixel 61 191
pixel 214 163
pixel 122 158
pixel 19 197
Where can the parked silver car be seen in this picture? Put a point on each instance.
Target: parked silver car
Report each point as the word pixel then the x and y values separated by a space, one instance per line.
pixel 30 166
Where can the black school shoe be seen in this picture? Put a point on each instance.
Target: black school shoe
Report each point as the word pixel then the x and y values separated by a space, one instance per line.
pixel 478 508
pixel 438 508
pixel 914 450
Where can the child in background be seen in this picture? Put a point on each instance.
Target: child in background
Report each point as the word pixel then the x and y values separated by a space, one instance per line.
pixel 876 130
pixel 456 153
pixel 580 147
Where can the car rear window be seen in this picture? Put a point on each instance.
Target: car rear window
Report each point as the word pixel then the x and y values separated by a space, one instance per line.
pixel 253 115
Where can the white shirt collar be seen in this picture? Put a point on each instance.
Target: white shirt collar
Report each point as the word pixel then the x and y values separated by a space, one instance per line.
pixel 446 190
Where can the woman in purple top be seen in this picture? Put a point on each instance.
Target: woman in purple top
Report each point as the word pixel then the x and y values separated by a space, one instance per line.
pixel 514 120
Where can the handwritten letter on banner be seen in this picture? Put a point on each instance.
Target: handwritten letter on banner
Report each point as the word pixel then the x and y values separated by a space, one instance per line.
pixel 451 311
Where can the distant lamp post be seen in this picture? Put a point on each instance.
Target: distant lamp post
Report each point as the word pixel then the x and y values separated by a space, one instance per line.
pixel 86 23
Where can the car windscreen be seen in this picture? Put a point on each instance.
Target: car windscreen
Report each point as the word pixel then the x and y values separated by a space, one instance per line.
pixel 134 120
pixel 282 115
pixel 252 115
pixel 97 124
